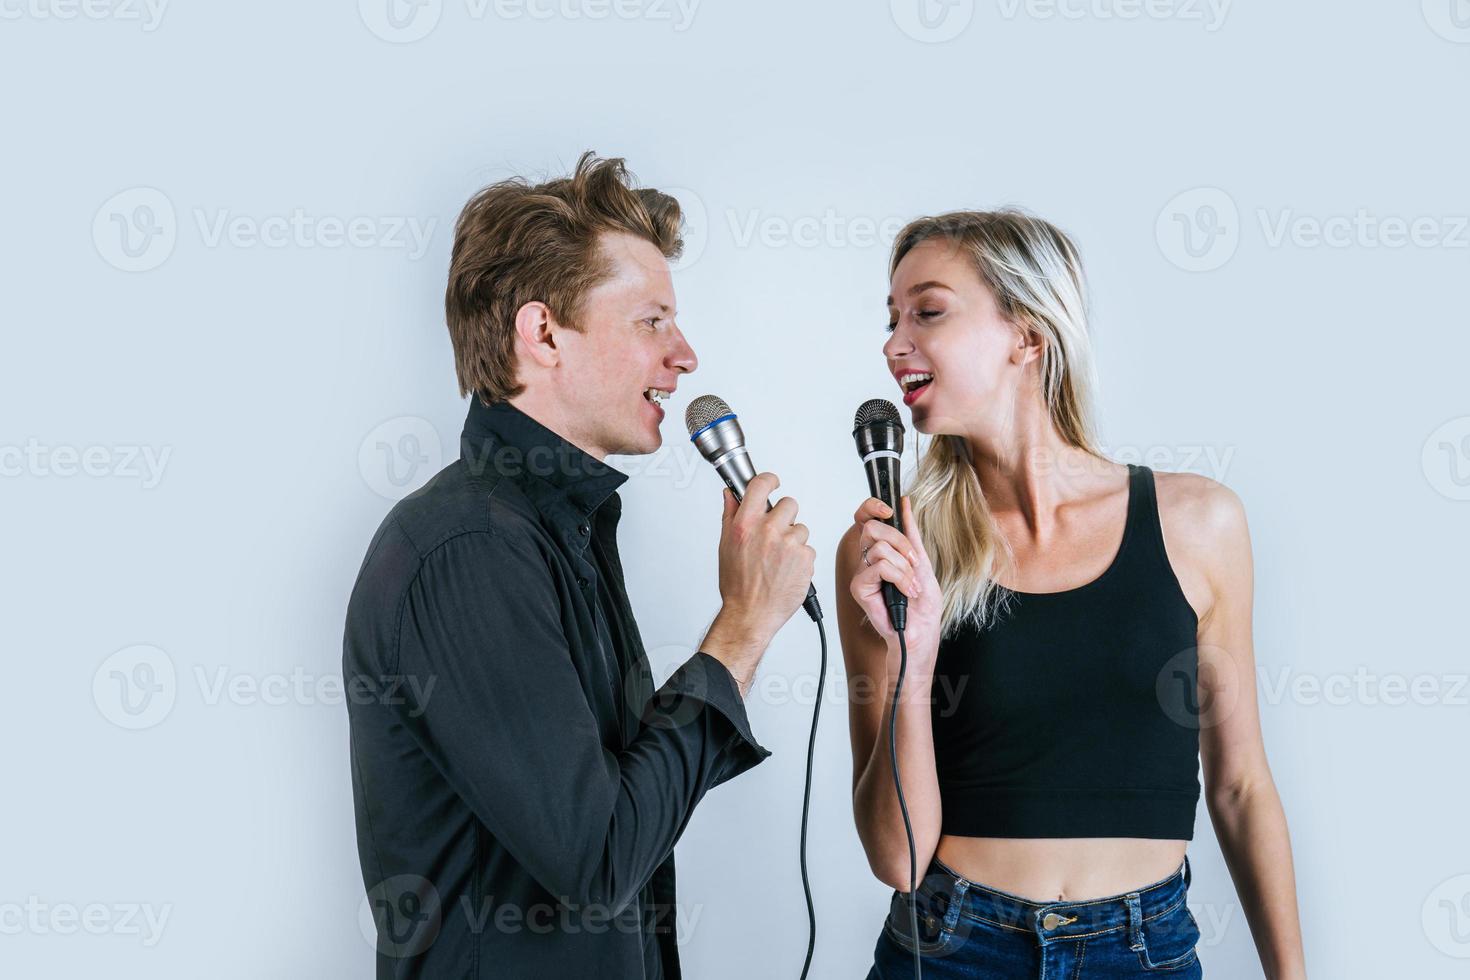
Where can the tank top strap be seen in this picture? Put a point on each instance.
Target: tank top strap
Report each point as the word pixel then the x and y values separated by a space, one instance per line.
pixel 1146 529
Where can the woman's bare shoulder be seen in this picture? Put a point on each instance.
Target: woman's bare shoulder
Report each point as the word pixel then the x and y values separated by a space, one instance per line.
pixel 1205 534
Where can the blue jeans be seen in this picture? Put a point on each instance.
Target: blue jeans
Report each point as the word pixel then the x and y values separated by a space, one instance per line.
pixel 968 930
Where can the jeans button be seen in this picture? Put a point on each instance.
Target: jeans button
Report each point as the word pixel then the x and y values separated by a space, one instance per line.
pixel 1051 921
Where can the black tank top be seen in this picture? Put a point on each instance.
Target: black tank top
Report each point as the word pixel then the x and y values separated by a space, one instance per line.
pixel 1073 714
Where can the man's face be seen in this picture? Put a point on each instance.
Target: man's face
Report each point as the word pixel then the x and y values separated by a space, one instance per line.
pixel 629 344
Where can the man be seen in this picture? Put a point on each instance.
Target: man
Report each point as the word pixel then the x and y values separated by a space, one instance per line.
pixel 519 798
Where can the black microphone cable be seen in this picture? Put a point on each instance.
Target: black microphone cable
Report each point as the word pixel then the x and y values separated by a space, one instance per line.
pixel 715 431
pixel 908 828
pixel 806 801
pixel 878 434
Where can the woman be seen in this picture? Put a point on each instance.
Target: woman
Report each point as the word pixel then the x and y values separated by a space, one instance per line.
pixel 1068 616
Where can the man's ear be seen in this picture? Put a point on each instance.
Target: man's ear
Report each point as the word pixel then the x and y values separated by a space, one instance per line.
pixel 536 334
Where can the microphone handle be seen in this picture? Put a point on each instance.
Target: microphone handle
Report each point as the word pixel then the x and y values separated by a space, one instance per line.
pixel 736 469
pixel 883 482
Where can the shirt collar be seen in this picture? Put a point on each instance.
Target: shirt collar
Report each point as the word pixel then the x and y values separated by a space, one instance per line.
pixel 561 480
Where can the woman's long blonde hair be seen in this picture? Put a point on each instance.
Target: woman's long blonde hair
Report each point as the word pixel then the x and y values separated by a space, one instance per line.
pixel 1035 272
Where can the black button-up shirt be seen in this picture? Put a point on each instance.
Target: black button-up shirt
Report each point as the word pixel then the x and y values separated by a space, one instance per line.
pixel 519 785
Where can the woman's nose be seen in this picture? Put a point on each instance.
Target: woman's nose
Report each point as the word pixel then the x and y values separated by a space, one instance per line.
pixel 898 342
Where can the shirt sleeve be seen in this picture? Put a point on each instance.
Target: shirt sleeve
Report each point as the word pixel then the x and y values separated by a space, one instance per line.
pixel 508 724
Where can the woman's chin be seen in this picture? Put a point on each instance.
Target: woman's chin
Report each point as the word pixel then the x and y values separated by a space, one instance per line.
pixel 924 421
pixel 931 423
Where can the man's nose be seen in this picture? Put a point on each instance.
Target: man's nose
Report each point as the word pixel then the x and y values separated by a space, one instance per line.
pixel 682 357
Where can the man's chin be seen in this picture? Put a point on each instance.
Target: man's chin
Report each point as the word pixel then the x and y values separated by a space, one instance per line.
pixel 655 442
pixel 642 444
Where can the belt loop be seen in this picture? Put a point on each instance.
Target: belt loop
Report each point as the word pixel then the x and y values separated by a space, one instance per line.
pixel 958 888
pixel 1135 921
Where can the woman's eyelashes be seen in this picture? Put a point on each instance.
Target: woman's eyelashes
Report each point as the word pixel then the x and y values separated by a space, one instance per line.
pixel 922 315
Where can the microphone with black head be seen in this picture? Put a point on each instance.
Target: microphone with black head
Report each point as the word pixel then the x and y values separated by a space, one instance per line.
pixel 878 432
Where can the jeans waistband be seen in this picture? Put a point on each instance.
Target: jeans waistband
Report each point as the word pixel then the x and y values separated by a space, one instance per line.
pixel 950 897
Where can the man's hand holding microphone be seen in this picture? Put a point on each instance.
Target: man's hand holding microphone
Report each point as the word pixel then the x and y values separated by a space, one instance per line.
pixel 765 570
pixel 765 563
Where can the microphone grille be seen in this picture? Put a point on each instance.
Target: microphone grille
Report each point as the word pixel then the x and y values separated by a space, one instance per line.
pixel 704 410
pixel 876 410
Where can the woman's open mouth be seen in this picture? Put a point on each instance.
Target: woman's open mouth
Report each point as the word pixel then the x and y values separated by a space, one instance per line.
pixel 914 385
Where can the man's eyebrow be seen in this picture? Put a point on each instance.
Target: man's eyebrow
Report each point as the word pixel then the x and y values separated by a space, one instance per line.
pixel 920 287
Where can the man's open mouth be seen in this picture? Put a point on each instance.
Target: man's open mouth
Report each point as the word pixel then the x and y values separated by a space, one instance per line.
pixel 657 395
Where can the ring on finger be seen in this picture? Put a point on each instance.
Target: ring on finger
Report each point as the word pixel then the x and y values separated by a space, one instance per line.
pixel 865 554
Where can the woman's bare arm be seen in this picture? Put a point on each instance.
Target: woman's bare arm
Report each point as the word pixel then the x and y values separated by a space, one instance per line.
pixel 1209 526
pixel 872 670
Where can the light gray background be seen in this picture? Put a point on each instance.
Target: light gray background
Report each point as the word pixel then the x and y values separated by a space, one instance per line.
pixel 1271 203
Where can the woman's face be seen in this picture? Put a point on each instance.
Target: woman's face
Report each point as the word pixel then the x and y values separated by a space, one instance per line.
pixel 945 322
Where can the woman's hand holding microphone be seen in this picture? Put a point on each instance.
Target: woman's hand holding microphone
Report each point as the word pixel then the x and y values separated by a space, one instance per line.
pixel 889 555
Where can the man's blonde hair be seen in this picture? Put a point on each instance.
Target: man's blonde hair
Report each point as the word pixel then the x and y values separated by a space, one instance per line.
pixel 517 243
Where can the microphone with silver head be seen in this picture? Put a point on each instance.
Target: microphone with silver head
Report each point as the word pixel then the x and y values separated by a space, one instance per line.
pixel 714 428
pixel 715 431
pixel 878 431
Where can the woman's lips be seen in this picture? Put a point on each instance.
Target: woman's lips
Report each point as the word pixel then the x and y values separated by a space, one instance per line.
pixel 909 397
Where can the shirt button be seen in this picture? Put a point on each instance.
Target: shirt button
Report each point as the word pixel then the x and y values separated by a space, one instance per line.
pixel 583 529
pixel 581 582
